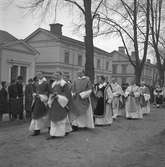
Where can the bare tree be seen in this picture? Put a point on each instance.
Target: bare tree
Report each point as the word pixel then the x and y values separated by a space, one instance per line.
pixel 131 22
pixel 87 8
pixel 157 20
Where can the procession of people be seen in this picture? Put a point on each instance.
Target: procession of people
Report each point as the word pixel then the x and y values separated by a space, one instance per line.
pixel 62 106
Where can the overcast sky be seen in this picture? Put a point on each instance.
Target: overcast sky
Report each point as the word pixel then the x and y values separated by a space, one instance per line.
pixel 13 20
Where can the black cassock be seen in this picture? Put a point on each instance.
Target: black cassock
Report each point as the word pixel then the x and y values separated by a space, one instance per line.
pixel 159 97
pixel 99 111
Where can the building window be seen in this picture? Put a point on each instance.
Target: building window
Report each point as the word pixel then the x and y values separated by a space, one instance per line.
pixel 14 72
pixel 114 68
pixel 107 66
pixel 124 68
pixel 23 73
pixel 18 70
pixel 98 64
pixel 79 60
pixel 66 57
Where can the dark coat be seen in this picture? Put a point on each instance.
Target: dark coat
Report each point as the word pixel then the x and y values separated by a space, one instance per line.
pixel 13 92
pixel 28 97
pixel 3 101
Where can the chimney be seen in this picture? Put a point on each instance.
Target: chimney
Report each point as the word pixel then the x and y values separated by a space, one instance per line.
pixel 56 29
pixel 121 49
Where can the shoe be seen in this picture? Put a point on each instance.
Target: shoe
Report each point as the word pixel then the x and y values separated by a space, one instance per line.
pixel 50 137
pixel 36 133
pixel 48 129
pixel 75 128
pixel 67 133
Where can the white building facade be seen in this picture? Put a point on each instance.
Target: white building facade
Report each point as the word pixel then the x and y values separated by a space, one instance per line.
pixel 58 52
pixel 123 71
pixel 17 58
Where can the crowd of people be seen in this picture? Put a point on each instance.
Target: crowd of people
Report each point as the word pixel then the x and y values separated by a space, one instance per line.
pixel 63 106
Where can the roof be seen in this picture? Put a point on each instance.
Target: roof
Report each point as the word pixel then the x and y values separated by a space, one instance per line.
pixel 9 45
pixel 125 56
pixel 64 38
pixel 6 37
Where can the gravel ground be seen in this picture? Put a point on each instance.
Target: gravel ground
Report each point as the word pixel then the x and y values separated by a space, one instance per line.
pixel 127 143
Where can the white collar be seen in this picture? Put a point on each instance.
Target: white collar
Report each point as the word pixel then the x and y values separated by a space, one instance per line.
pixel 61 82
pixel 102 85
pixel 83 77
pixel 41 80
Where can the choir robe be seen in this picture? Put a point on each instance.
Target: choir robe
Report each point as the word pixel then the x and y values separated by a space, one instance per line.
pixel 132 106
pixel 103 110
pixel 117 99
pixel 40 118
pixel 158 93
pixel 58 103
pixel 145 100
pixel 81 114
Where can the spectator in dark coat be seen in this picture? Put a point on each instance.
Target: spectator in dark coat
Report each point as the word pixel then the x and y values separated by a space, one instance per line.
pixel 28 98
pixel 3 100
pixel 12 90
pixel 19 87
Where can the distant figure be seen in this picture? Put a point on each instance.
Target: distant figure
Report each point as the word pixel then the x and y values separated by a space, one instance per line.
pixel 19 87
pixel 117 98
pixel 158 93
pixel 132 106
pixel 28 98
pixel 145 98
pixel 12 91
pixel 3 100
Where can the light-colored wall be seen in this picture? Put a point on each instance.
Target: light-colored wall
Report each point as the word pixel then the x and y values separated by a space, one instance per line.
pixel 49 51
pixel 51 57
pixel 10 58
pixel 118 59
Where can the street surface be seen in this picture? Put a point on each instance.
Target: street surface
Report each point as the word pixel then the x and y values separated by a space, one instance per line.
pixel 127 143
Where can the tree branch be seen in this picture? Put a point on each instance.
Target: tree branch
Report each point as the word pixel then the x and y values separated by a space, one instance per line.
pixel 97 8
pixel 75 3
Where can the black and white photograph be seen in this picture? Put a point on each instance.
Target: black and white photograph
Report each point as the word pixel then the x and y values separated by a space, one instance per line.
pixel 82 83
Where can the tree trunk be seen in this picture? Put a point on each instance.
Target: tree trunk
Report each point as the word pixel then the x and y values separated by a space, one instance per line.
pixel 138 73
pixel 89 64
pixel 160 66
pixel 161 75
